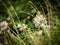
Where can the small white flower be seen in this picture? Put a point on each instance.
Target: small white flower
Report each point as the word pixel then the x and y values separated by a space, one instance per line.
pixel 20 29
pixel 43 25
pixel 19 25
pixel 39 32
pixel 25 26
pixel 22 26
pixel 8 30
pixel 36 23
pixel 3 25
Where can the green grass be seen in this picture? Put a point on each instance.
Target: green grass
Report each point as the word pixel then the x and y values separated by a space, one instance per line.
pixel 29 36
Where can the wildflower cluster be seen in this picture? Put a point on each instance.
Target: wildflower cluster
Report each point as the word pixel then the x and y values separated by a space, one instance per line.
pixel 21 26
pixel 41 21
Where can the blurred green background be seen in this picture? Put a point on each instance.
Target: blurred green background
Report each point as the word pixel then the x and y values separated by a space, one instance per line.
pixel 24 11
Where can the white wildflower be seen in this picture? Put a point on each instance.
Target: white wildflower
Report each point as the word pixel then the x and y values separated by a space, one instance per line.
pixel 8 30
pixel 19 25
pixel 3 25
pixel 20 29
pixel 39 19
pixel 43 25
pixel 39 32
pixel 22 26
pixel 36 21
